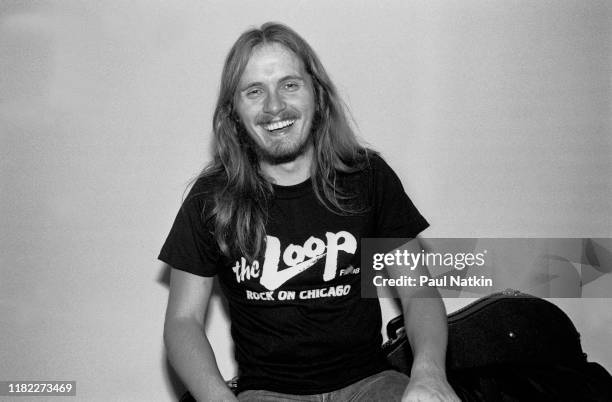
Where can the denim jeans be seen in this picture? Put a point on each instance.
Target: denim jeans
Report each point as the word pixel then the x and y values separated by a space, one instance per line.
pixel 384 386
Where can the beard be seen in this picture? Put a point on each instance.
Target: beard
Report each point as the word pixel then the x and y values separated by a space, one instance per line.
pixel 277 154
pixel 279 151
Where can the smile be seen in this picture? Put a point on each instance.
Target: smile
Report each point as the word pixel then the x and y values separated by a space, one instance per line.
pixel 278 125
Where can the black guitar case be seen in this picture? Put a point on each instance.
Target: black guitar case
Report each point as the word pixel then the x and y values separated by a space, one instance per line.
pixel 511 346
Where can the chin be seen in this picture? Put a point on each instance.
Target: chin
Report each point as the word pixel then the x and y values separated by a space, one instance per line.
pixel 279 155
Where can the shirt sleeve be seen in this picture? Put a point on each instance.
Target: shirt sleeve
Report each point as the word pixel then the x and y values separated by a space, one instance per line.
pixel 396 215
pixel 190 245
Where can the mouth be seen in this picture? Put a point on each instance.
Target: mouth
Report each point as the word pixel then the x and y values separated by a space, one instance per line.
pixel 278 126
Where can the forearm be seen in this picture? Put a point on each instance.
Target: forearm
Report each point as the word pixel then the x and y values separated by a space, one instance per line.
pixel 192 357
pixel 426 328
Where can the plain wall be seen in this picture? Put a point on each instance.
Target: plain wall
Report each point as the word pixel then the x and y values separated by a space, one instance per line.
pixel 495 114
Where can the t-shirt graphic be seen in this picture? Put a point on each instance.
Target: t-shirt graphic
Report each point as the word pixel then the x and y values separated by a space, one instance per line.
pixel 296 259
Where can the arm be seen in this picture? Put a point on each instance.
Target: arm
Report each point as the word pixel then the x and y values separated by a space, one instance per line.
pixel 188 348
pixel 426 328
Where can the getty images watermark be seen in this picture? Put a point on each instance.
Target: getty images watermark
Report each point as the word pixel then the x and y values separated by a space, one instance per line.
pixel 406 261
pixel 466 267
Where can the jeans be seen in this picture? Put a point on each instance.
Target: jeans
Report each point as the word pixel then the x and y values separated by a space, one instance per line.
pixel 384 386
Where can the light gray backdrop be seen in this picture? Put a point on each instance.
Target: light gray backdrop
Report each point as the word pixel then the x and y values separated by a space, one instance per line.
pixel 496 115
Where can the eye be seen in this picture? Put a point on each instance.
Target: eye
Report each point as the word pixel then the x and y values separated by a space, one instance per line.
pixel 292 86
pixel 253 92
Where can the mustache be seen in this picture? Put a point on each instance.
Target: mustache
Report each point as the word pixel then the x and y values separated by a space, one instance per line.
pixel 288 115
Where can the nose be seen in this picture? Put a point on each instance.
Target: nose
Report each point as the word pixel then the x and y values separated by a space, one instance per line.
pixel 274 103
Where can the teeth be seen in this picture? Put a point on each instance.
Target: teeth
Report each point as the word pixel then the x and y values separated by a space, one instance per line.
pixel 278 125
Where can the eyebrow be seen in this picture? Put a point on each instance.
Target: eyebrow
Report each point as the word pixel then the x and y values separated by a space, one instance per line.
pixel 285 78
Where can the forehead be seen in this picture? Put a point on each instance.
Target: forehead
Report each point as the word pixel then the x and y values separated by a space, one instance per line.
pixel 270 62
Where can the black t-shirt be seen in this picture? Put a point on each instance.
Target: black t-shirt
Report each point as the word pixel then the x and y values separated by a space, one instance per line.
pixel 299 323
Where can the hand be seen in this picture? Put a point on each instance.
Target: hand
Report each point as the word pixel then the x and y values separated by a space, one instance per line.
pixel 424 388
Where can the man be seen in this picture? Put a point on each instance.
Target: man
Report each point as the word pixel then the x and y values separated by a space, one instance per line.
pixel 278 216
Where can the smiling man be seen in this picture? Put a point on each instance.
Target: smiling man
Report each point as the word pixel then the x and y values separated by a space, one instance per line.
pixel 275 103
pixel 277 216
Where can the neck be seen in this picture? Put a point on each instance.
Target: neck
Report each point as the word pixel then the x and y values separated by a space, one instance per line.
pixel 290 173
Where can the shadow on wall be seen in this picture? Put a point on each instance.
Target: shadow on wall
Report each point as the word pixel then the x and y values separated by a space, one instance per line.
pixel 174 380
pixel 543 267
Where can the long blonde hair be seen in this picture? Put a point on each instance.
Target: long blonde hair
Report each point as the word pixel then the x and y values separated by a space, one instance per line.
pixel 240 192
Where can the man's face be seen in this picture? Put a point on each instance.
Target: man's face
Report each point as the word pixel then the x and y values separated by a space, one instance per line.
pixel 275 103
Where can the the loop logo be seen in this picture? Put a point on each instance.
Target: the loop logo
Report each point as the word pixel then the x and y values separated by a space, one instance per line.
pixel 297 259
